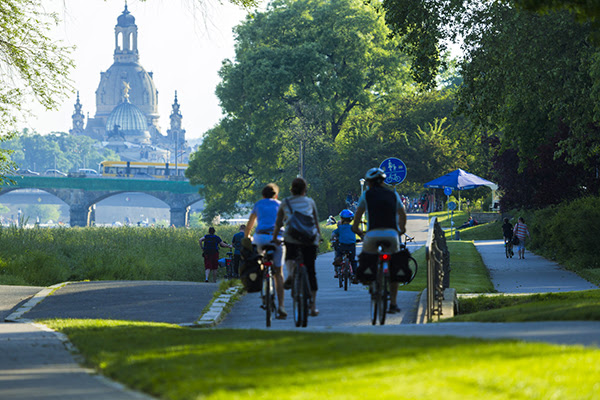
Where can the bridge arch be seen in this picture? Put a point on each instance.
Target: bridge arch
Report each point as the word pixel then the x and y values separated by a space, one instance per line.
pixel 80 194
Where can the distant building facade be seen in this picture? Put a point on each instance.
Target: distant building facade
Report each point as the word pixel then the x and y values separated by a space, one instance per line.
pixel 127 119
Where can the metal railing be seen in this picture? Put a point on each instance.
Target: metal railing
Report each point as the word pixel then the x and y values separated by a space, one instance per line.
pixel 438 269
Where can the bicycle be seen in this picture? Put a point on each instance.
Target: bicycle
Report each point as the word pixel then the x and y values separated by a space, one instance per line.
pixel 346 271
pixel 229 265
pixel 412 263
pixel 379 288
pixel 508 248
pixel 301 297
pixel 268 283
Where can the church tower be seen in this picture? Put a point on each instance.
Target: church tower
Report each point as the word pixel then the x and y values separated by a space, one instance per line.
pixel 176 135
pixel 125 68
pixel 78 118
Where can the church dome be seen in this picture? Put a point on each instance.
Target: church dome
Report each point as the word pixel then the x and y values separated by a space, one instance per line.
pixel 129 122
pixel 143 90
pixel 125 19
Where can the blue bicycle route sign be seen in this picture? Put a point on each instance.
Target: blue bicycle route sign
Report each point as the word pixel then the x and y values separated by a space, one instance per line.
pixel 395 170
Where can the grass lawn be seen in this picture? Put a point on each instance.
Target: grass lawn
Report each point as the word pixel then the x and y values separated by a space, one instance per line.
pixel 489 231
pixel 468 272
pixel 567 306
pixel 171 362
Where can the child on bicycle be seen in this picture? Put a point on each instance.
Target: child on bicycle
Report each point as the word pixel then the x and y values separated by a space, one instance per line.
pixel 507 232
pixel 346 241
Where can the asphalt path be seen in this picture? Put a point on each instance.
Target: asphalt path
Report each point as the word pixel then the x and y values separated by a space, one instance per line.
pixel 37 364
pixel 338 309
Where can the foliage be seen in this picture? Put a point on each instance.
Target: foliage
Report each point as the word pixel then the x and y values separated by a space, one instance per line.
pixel 60 151
pixel 324 61
pixel 32 64
pixel 171 362
pixel 530 86
pixel 567 232
pixel 47 256
pixel 566 306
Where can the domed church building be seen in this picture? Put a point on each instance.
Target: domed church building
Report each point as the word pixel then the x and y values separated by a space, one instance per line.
pixel 127 118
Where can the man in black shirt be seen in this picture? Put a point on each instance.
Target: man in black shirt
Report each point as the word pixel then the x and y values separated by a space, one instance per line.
pixel 386 220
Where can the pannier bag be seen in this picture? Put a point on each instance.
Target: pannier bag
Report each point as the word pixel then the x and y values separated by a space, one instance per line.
pixel 399 270
pixel 251 269
pixel 301 227
pixel 367 267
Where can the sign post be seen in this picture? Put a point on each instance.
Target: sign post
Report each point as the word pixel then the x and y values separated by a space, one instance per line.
pixel 395 171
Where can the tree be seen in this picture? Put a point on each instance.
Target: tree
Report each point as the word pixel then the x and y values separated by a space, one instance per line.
pixel 32 64
pixel 301 69
pixel 30 150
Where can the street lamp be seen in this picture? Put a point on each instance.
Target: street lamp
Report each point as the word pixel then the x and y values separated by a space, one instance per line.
pixel 362 189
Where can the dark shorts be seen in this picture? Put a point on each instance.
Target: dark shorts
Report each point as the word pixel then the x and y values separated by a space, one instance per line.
pixel 211 261
pixel 309 254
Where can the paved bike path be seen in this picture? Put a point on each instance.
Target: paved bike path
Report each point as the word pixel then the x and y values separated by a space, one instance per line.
pixel 533 274
pixel 339 309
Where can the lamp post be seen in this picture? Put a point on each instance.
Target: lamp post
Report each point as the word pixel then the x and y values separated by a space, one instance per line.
pixel 362 189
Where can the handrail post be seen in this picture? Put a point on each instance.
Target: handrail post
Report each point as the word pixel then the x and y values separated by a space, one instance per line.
pixel 438 269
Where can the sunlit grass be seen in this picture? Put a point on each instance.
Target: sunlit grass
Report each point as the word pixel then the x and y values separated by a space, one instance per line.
pixel 171 362
pixel 468 272
pixel 567 306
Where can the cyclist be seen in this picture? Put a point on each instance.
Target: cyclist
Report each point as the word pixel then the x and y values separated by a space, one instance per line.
pixel 386 220
pixel 299 202
pixel 507 232
pixel 345 239
pixel 264 214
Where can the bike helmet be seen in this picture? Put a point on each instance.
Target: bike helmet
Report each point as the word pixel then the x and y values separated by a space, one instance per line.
pixel 347 214
pixel 375 173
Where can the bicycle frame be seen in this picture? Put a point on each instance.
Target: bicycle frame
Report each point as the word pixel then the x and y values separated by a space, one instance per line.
pixel 379 288
pixel 301 295
pixel 268 286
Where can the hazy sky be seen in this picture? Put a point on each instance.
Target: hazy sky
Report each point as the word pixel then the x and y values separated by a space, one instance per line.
pixel 182 46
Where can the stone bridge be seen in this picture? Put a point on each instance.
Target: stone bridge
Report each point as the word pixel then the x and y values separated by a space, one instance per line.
pixel 80 194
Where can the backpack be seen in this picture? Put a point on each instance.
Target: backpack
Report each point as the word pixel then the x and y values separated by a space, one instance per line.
pixel 251 269
pixel 301 227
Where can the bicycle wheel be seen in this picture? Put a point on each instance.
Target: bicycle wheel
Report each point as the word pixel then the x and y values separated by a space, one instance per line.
pixel 374 289
pixel 346 271
pixel 507 250
pixel 382 283
pixel 297 294
pixel 340 274
pixel 267 293
pixel 306 298
pixel 413 266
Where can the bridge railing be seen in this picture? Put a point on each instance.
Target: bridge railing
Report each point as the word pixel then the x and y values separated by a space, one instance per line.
pixel 438 269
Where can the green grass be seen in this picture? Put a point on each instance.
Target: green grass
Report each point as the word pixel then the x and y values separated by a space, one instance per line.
pixel 176 363
pixel 47 256
pixel 489 231
pixel 468 272
pixel 567 306
pixel 443 217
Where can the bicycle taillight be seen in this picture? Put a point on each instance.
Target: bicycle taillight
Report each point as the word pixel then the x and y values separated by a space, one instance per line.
pixel 384 257
pixel 268 264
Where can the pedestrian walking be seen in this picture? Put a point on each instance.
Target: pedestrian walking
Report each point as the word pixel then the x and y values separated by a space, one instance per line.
pixel 522 233
pixel 210 244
